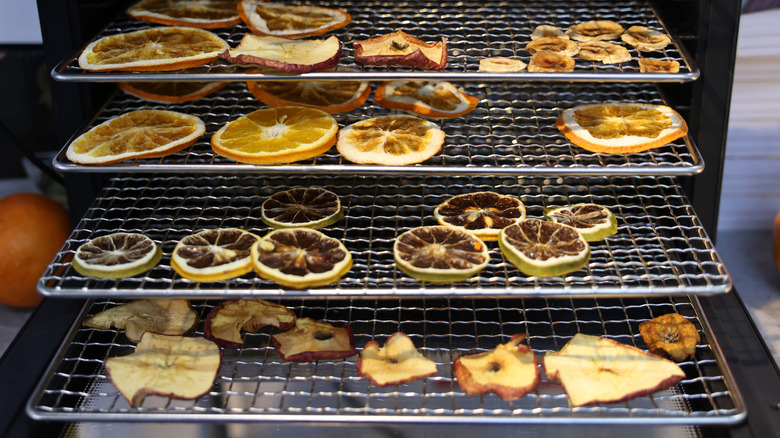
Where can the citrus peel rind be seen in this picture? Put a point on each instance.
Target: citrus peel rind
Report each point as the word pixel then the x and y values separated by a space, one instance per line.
pixel 213 255
pixel 544 249
pixel 290 21
pixel 291 56
pixel 117 255
pixel 438 99
pixel 204 14
pixel 308 207
pixel 440 254
pixel 390 140
pixel 593 221
pixel 400 48
pixel 482 213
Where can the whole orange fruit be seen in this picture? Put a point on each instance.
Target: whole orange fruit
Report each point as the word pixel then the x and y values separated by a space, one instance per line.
pixel 32 229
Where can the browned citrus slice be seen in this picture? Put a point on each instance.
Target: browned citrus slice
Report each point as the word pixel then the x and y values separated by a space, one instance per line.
pixel 593 221
pixel 621 127
pixel 155 49
pixel 300 258
pixel 204 14
pixel 390 140
pixel 439 99
pixel 330 96
pixel 213 255
pixel 440 254
pixel 170 92
pixel 544 249
pixel 482 213
pixel 137 134
pixel 595 30
pixel 309 207
pixel 290 21
pixel 400 48
pixel 117 255
pixel 276 135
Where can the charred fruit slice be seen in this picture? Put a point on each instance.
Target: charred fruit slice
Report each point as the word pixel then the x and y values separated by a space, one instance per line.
pixel 312 340
pixel 117 255
pixel 169 366
pixel 307 207
pixel 213 255
pixel 510 371
pixel 291 56
pixel 593 369
pixel 481 213
pixel 544 249
pixel 390 140
pixel 440 254
pixel 226 320
pixel 400 48
pixel 671 334
pixel 593 221
pixel 439 99
pixel 290 21
pixel 397 363
pixel 157 315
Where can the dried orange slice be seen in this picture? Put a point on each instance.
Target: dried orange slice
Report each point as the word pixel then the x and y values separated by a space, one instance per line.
pixel 290 21
pixel 291 56
pixel 544 249
pixel 154 49
pixel 170 92
pixel 204 14
pixel 400 48
pixel 390 140
pixel 438 99
pixel 593 221
pixel 440 254
pixel 333 97
pixel 308 207
pixel 482 213
pixel 213 255
pixel 300 258
pixel 276 135
pixel 137 134
pixel 117 255
pixel 620 127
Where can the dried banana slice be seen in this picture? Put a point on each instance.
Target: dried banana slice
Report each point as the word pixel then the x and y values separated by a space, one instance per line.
pixel 550 62
pixel 557 45
pixel 603 51
pixel 501 65
pixel 595 30
pixel 645 39
pixel 547 31
pixel 649 65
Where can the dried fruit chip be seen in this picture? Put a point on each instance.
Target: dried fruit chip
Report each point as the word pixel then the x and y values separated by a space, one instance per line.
pixel 312 340
pixel 501 65
pixel 544 249
pixel 550 62
pixel 400 48
pixel 213 255
pixel 117 255
pixel 397 363
pixel 291 56
pixel 649 65
pixel 595 30
pixel 226 320
pixel 562 46
pixel 333 97
pixel 438 99
pixel 603 51
pixel 671 334
pixel 390 140
pixel 290 21
pixel 170 92
pixel 309 207
pixel 158 315
pixel 593 221
pixel 440 254
pixel 547 31
pixel 204 14
pixel 481 213
pixel 645 39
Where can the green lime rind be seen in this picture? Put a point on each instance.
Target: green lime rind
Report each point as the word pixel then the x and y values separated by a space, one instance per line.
pixel 591 234
pixel 552 267
pixel 439 276
pixel 97 271
pixel 322 223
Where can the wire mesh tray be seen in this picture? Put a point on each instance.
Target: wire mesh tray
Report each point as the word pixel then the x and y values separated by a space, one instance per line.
pixel 512 131
pixel 660 247
pixel 254 384
pixel 474 30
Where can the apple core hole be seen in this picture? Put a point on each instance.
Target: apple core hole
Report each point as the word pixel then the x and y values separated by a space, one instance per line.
pixel 322 335
pixel 493 367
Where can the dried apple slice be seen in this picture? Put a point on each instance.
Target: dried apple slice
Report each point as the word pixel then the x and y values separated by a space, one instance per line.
pixel 510 370
pixel 169 366
pixel 671 335
pixel 397 363
pixel 593 369
pixel 158 315
pixel 400 48
pixel 290 21
pixel 291 56
pixel 226 320
pixel 312 340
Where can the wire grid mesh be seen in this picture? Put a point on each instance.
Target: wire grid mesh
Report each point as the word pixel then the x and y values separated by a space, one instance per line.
pixel 512 131
pixel 660 246
pixel 474 30
pixel 255 384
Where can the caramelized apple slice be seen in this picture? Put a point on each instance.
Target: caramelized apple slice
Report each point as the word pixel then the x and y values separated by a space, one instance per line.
pixel 400 48
pixel 314 340
pixel 291 56
pixel 225 321
pixel 398 362
pixel 158 315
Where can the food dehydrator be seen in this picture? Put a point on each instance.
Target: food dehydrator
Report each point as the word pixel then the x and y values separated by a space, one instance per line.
pixel 661 260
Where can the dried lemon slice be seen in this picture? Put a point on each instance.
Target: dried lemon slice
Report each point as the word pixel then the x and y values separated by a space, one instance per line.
pixel 117 255
pixel 213 255
pixel 621 127
pixel 204 14
pixel 330 96
pixel 440 254
pixel 544 249
pixel 290 21
pixel 170 92
pixel 593 221
pixel 310 207
pixel 439 99
pixel 390 140
pixel 481 213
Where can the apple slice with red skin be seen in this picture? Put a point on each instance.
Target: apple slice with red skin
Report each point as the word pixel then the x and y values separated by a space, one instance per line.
pixel 397 363
pixel 400 48
pixel 594 369
pixel 159 315
pixel 172 366
pixel 312 340
pixel 290 56
pixel 510 370
pixel 226 320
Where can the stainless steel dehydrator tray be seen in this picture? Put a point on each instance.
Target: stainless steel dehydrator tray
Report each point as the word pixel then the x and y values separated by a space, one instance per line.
pixel 660 247
pixel 512 131
pixel 254 384
pixel 474 30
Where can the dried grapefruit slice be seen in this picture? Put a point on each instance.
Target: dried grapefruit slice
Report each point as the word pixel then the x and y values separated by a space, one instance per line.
pixel 309 207
pixel 440 254
pixel 427 98
pixel 117 255
pixel 213 255
pixel 137 134
pixel 291 56
pixel 482 213
pixel 170 92
pixel 276 135
pixel 154 49
pixel 333 97
pixel 204 14
pixel 593 221
pixel 300 258
pixel 544 249
pixel 620 127
pixel 290 21
pixel 400 48
pixel 390 140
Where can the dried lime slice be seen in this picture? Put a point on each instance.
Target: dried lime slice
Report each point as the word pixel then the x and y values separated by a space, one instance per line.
pixel 310 207
pixel 544 249
pixel 213 255
pixel 482 213
pixel 593 221
pixel 440 254
pixel 300 258
pixel 117 255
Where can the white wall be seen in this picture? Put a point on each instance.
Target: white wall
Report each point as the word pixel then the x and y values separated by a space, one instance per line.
pixel 19 22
